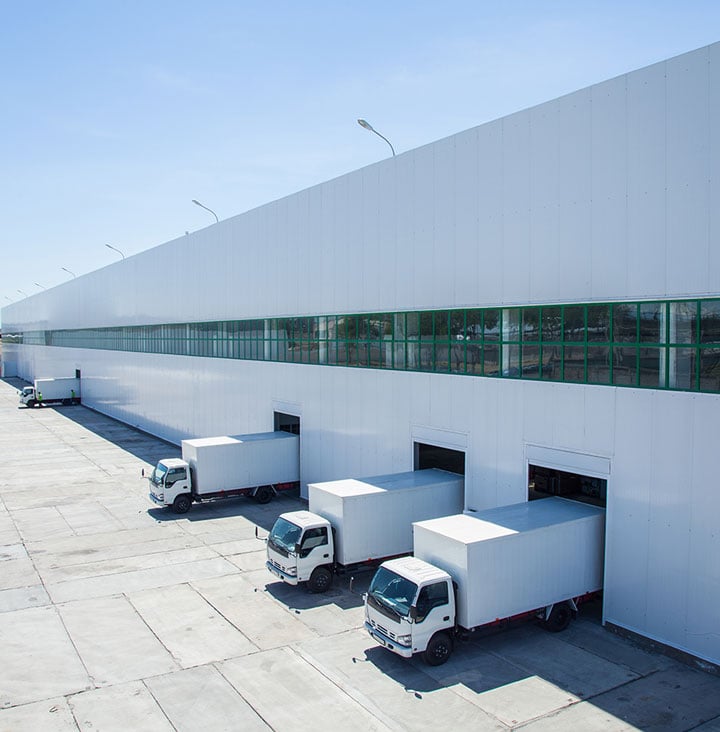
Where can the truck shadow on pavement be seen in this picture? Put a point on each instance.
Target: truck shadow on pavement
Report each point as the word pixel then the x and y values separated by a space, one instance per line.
pixel 263 516
pixel 299 598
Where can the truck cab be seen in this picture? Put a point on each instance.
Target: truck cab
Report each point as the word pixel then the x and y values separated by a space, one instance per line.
pixel 27 395
pixel 410 608
pixel 301 548
pixel 171 484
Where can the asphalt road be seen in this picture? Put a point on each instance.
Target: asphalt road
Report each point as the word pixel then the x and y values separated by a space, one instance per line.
pixel 117 615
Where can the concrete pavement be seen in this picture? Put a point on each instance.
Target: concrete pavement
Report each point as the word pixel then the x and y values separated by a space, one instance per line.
pixel 117 615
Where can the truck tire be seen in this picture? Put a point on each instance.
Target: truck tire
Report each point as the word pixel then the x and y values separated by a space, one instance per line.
pixel 31 403
pixel 264 494
pixel 559 618
pixel 439 649
pixel 320 580
pixel 182 503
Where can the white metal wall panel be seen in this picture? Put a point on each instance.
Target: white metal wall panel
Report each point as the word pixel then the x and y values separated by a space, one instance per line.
pixel 609 174
pixel 669 527
pixel 465 200
pixel 687 170
pixel 547 269
pixel 646 182
pixel 491 140
pixel 703 497
pixel 515 243
pixel 714 165
pixel 574 235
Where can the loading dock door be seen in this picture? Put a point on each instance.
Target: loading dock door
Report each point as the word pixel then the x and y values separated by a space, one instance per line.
pixel 544 482
pixel 432 456
pixel 286 423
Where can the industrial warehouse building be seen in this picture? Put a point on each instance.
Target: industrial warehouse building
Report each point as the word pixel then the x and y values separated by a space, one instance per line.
pixel 534 302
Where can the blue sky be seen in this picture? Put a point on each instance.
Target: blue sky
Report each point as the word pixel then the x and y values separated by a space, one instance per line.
pixel 116 114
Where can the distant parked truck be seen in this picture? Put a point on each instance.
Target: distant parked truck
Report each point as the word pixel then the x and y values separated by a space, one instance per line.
pixel 256 465
pixel 51 392
pixel 354 522
pixel 540 558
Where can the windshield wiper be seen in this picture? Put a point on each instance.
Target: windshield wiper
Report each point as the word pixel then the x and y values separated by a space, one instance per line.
pixel 383 604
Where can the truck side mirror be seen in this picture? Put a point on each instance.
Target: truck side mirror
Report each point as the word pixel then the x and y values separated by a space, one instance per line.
pixel 142 472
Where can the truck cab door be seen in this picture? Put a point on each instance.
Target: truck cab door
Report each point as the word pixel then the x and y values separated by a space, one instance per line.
pixel 315 549
pixel 176 482
pixel 434 610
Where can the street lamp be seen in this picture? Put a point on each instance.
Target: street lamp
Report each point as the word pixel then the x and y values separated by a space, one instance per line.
pixel 24 294
pixel 7 298
pixel 37 284
pixel 197 203
pixel 115 250
pixel 369 127
pixel 65 269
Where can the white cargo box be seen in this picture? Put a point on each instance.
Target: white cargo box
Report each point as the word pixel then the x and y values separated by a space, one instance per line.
pixel 242 461
pixel 58 388
pixel 516 558
pixel 373 517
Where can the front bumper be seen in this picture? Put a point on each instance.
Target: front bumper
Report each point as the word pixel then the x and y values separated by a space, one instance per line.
pixel 284 576
pixel 391 645
pixel 155 499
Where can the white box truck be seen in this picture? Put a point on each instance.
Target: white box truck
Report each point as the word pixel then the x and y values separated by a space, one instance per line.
pixel 539 558
pixel 256 465
pixel 63 390
pixel 356 522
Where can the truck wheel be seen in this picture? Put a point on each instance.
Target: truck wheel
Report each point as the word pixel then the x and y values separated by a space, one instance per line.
pixel 31 403
pixel 320 580
pixel 182 503
pixel 559 618
pixel 438 649
pixel 264 494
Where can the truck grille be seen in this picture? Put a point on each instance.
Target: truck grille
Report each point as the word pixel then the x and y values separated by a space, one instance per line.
pixel 276 564
pixel 383 630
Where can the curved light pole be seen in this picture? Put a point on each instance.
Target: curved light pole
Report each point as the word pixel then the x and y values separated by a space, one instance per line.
pixel 37 284
pixel 24 294
pixel 8 298
pixel 197 203
pixel 65 269
pixel 370 128
pixel 115 250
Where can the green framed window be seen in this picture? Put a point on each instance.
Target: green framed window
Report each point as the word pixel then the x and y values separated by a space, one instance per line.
pixel 673 344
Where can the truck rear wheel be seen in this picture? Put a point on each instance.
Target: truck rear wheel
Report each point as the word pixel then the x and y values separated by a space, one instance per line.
pixel 182 503
pixel 320 580
pixel 438 649
pixel 264 494
pixel 559 618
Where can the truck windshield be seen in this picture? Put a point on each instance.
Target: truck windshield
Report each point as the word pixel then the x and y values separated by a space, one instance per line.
pixel 285 535
pixel 392 591
pixel 158 475
pixel 28 390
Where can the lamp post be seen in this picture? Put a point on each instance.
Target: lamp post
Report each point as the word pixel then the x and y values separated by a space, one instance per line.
pixel 115 250
pixel 37 284
pixel 197 203
pixel 369 127
pixel 65 269
pixel 24 294
pixel 10 299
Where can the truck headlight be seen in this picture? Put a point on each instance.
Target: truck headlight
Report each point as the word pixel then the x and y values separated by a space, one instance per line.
pixel 404 640
pixel 292 571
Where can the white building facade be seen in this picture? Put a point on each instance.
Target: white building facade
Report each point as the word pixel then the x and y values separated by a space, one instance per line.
pixel 542 290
